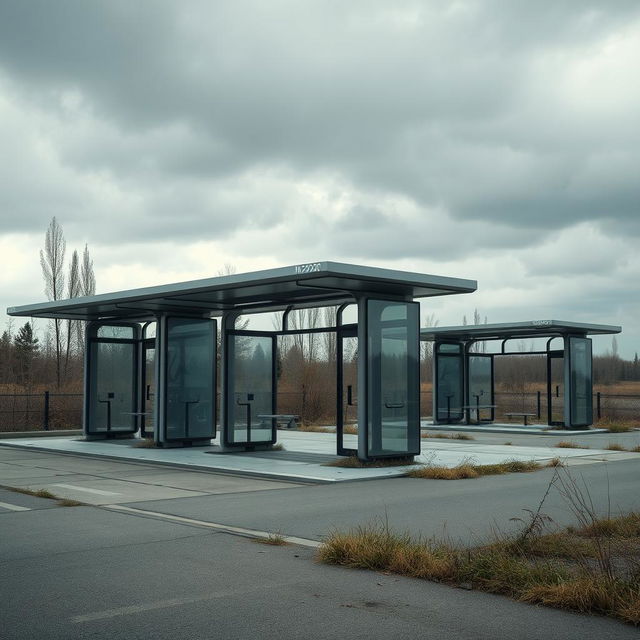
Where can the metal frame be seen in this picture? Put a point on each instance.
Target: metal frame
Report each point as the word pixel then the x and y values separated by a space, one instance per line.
pixel 91 338
pixel 161 424
pixel 228 389
pixel 550 329
pixel 436 368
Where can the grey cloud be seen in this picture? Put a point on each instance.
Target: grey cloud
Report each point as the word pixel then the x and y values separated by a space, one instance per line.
pixel 413 99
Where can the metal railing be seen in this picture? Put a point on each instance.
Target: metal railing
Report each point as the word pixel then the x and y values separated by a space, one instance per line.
pixel 51 411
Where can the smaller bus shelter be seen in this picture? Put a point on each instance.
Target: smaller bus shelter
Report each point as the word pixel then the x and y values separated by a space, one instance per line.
pixel 157 358
pixel 463 374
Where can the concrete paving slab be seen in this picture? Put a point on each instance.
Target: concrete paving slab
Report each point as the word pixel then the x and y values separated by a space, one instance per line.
pixel 280 465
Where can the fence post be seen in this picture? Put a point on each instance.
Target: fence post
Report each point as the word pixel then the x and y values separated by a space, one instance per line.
pixel 46 411
pixel 539 405
pixel 598 405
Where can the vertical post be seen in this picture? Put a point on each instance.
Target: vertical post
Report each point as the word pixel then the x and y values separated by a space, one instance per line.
pixel 539 405
pixel 45 424
pixel 599 405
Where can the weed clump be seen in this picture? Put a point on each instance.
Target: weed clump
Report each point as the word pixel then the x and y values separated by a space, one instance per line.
pixel 568 444
pixel 579 569
pixel 466 470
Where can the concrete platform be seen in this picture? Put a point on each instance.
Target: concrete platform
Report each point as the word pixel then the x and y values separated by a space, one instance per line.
pixel 305 456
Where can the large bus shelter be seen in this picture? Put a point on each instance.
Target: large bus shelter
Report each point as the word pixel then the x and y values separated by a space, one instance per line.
pixel 463 375
pixel 151 355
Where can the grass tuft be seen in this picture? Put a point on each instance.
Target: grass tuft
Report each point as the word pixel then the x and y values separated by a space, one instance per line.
pixel 67 502
pixel 273 539
pixel 557 569
pixel 44 493
pixel 278 447
pixel 38 493
pixel 618 426
pixel 145 443
pixel 467 470
pixel 614 446
pixel 568 444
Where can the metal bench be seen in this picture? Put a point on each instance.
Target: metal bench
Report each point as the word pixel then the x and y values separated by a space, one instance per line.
pixel 289 420
pixel 523 415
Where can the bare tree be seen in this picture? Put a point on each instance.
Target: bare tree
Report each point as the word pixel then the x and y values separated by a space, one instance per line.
pixel 73 291
pixel 52 263
pixel 87 276
pixel 87 287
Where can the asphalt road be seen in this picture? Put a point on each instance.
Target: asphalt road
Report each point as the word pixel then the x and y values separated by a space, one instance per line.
pixel 92 572
pixel 86 572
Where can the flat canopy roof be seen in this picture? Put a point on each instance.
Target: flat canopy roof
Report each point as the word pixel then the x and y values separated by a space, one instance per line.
pixel 302 285
pixel 511 330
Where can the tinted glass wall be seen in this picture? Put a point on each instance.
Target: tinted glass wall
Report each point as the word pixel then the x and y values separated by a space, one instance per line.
pixel 449 382
pixel 393 421
pixel 190 378
pixel 111 378
pixel 251 389
pixel 580 376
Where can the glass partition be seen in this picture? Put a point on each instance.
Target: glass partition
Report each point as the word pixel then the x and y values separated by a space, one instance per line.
pixel 393 378
pixel 251 396
pixel 190 379
pixel 581 382
pixel 481 386
pixel 449 382
pixel 111 380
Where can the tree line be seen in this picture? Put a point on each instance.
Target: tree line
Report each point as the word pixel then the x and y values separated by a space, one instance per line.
pixel 25 361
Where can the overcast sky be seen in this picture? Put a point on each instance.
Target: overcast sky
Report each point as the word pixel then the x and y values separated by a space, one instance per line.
pixel 498 141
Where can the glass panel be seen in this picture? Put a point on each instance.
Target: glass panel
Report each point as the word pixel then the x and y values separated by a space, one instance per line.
pixel 449 348
pixel 149 330
pixel 149 390
pixel 480 386
pixel 112 396
pixel 449 385
pixel 581 383
pixel 393 378
pixel 191 357
pixel 556 389
pixel 252 389
pixel 115 332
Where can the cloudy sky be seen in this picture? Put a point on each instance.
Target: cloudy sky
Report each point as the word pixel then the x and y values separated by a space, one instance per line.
pixel 498 141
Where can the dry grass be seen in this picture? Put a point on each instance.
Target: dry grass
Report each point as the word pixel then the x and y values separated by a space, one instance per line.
pixel 67 502
pixel 568 444
pixel 350 429
pixel 448 436
pixel 466 469
pixel 618 426
pixel 278 447
pixel 554 569
pixel 353 462
pixel 273 539
pixel 44 493
pixel 38 493
pixel 145 443
pixel 626 526
pixel 614 446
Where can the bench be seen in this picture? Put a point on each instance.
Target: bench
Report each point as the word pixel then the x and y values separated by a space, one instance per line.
pixel 289 420
pixel 523 415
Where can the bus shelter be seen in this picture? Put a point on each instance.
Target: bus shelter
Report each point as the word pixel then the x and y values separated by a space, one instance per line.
pixel 463 375
pixel 153 356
